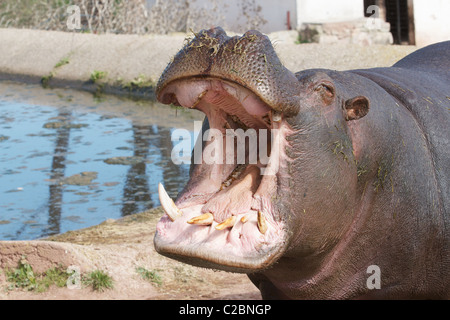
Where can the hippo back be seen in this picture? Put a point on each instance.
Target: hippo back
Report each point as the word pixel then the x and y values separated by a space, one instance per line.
pixel 433 59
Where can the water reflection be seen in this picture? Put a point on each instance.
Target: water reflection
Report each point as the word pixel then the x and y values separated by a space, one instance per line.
pixel 136 190
pixel 57 173
pixel 68 162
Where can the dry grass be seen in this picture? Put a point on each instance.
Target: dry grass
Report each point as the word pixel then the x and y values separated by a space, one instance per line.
pixel 120 16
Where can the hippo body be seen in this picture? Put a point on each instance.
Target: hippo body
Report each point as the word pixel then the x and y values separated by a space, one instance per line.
pixel 362 180
pixel 402 226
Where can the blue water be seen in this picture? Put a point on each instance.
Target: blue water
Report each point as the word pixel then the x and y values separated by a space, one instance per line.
pixel 36 158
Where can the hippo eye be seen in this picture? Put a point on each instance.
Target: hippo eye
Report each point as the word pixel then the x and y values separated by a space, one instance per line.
pixel 326 89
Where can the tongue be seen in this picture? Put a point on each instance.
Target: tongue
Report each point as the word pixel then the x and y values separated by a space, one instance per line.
pixel 236 199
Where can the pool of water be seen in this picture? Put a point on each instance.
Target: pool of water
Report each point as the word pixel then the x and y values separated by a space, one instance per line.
pixel 69 160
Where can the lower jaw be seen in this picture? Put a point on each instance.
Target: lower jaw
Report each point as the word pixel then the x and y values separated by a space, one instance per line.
pixel 253 240
pixel 242 248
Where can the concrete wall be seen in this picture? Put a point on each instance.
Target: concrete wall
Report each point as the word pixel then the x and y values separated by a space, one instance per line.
pixel 432 21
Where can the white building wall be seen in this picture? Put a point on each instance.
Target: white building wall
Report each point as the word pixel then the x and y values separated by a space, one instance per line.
pixel 322 11
pixel 431 21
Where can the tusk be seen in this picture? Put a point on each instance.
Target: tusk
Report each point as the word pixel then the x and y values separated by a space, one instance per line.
pixel 262 224
pixel 228 223
pixel 205 219
pixel 168 205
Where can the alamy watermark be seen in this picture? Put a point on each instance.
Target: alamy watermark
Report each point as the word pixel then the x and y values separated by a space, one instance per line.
pixel 374 280
pixel 74 20
pixel 74 279
pixel 373 22
pixel 220 148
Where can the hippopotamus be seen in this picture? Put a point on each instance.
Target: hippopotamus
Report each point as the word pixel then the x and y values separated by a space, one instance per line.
pixel 354 200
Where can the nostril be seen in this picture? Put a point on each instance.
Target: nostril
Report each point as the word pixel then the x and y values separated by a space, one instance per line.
pixel 170 98
pixel 216 31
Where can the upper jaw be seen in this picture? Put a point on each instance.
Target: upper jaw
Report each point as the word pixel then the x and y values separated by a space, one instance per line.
pixel 249 61
pixel 191 91
pixel 239 83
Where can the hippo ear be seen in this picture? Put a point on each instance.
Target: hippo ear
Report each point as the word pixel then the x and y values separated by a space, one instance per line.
pixel 356 108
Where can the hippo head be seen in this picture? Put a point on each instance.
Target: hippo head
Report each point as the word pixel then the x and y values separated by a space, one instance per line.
pixel 240 215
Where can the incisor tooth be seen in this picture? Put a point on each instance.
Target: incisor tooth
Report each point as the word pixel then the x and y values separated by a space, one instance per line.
pixel 244 219
pixel 228 223
pixel 168 205
pixel 276 116
pixel 205 219
pixel 262 224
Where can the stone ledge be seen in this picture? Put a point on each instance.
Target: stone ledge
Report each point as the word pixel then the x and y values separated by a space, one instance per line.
pixel 42 255
pixel 361 31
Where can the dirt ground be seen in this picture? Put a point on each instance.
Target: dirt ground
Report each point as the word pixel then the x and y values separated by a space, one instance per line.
pixel 118 247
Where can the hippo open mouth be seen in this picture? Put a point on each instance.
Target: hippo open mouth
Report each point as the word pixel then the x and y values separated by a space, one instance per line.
pixel 226 217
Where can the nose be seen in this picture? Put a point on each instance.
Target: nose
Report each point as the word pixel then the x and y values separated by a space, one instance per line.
pixel 213 37
pixel 216 32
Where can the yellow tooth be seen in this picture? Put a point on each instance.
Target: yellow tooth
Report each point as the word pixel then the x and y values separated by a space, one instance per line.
pixel 228 223
pixel 205 219
pixel 168 205
pixel 262 224
pixel 200 96
pixel 244 219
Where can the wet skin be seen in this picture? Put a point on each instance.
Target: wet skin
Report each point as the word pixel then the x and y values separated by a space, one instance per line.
pixel 361 163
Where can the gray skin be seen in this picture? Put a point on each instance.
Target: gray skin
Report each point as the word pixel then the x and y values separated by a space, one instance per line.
pixel 367 179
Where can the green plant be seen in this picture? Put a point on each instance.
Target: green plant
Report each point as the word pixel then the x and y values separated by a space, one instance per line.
pixel 45 80
pixel 97 75
pixel 55 276
pixel 138 83
pixel 22 276
pixel 62 62
pixel 301 40
pixel 148 275
pixel 99 280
